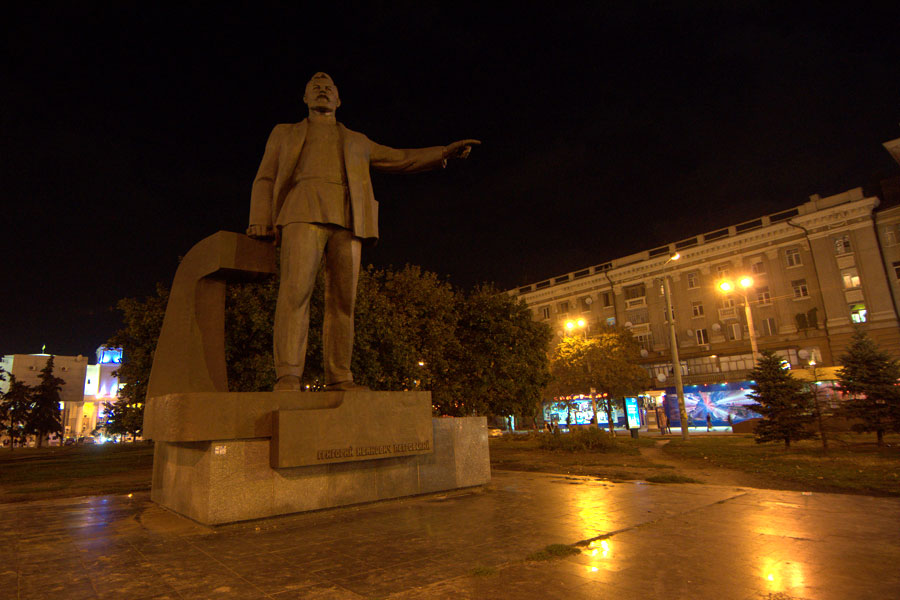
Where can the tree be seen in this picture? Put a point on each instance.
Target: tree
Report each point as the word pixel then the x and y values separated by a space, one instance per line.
pixel 869 375
pixel 44 417
pixel 606 362
pixel 142 323
pixel 14 407
pixel 786 407
pixel 478 353
pixel 504 366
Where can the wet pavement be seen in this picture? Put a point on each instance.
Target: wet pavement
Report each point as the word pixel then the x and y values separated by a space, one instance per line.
pixel 638 541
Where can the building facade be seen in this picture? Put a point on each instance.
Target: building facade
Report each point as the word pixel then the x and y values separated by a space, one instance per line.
pixel 818 270
pixel 85 389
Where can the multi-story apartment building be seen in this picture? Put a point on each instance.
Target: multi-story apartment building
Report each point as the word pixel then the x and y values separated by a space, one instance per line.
pixel 818 270
pixel 85 389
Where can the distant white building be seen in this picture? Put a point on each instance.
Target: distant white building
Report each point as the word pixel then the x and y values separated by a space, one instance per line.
pixel 87 386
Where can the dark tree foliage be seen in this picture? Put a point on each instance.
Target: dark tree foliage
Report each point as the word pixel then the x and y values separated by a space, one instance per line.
pixel 45 416
pixel 15 405
pixel 478 353
pixel 869 375
pixel 143 321
pixel 504 366
pixel 786 407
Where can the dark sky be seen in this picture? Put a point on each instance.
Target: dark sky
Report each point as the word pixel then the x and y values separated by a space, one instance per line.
pixel 131 132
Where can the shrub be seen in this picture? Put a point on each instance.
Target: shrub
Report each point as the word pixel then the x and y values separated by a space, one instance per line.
pixel 580 440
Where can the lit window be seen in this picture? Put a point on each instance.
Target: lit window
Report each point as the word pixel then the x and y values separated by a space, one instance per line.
pixel 702 336
pixel 758 268
pixel 792 257
pixel 800 289
pixel 693 280
pixel 697 309
pixel 763 296
pixel 858 313
pixel 850 277
pixel 842 244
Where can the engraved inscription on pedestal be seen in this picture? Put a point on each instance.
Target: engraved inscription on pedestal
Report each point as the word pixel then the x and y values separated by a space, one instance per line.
pixel 364 426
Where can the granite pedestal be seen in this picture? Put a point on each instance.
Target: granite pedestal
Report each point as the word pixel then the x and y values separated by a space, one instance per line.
pixel 224 457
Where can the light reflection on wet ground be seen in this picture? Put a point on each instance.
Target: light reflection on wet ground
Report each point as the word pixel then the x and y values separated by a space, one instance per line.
pixel 635 541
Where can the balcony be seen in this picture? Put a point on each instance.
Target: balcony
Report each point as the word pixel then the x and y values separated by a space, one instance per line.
pixel 635 302
pixel 728 313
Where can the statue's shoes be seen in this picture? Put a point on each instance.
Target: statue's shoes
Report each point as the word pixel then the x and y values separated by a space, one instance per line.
pixel 287 383
pixel 346 386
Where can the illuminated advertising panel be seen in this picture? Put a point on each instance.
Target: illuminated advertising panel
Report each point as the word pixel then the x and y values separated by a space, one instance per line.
pixel 718 400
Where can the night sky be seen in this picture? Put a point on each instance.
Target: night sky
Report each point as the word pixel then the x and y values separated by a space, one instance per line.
pixel 131 132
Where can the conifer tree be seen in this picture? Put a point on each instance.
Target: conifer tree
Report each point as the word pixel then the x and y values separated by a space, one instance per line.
pixel 14 408
pixel 45 416
pixel 780 398
pixel 869 375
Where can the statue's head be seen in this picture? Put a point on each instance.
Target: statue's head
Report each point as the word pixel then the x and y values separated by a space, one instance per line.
pixel 321 94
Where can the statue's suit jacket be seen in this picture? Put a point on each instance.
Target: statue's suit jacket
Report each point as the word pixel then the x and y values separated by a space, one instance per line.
pixel 275 175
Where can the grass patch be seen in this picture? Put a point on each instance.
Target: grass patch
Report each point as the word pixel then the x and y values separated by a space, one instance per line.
pixel 553 551
pixel 37 473
pixel 482 571
pixel 853 464
pixel 670 478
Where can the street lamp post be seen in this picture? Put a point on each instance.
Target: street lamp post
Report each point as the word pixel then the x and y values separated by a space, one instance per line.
pixel 745 283
pixel 673 345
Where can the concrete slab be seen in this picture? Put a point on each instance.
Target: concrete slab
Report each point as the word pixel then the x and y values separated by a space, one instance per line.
pixel 641 541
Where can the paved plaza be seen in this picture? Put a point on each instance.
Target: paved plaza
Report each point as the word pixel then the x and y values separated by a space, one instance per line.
pixel 638 541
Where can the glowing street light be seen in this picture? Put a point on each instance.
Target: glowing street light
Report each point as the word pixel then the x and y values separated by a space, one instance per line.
pixel 579 324
pixel 744 283
pixel 673 346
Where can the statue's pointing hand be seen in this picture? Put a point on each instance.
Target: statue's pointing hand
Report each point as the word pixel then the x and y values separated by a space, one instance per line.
pixel 460 149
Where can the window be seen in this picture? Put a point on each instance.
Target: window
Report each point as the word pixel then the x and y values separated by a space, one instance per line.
pixel 634 291
pixel 792 257
pixel 890 235
pixel 897 270
pixel 585 303
pixel 758 267
pixel 802 322
pixel 697 309
pixel 606 299
pixel 702 336
pixel 545 312
pixel 645 341
pixel 768 326
pixel 563 307
pixel 763 296
pixel 850 277
pixel 723 271
pixel 842 244
pixel 800 289
pixel 858 313
pixel 733 331
pixel 727 302
pixel 693 280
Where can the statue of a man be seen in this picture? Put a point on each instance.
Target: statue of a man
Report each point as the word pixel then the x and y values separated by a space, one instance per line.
pixel 313 195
